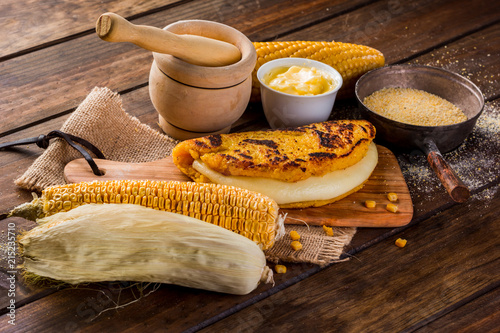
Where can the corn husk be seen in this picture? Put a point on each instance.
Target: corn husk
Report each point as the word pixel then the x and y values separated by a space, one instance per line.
pixel 126 242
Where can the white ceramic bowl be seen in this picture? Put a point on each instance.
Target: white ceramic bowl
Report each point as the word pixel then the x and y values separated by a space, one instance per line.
pixel 287 110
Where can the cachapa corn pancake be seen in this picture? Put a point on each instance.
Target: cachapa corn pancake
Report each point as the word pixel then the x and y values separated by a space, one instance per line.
pixel 289 155
pixel 309 166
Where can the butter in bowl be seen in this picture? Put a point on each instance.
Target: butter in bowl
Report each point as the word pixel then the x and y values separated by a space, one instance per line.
pixel 297 91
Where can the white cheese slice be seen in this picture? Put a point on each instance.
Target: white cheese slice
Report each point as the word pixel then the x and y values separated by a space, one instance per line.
pixel 324 187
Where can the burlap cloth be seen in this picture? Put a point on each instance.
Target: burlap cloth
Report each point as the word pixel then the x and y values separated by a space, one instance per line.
pixel 101 120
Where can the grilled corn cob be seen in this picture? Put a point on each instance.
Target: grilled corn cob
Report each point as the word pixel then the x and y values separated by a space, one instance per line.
pixel 250 214
pixel 350 60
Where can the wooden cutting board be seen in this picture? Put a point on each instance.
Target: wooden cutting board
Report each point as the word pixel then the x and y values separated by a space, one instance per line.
pixel 348 212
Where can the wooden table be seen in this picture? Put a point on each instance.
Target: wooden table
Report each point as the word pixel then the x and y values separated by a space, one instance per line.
pixel 446 279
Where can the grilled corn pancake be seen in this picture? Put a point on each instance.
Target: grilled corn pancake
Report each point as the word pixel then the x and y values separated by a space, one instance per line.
pixel 314 191
pixel 288 155
pixel 309 166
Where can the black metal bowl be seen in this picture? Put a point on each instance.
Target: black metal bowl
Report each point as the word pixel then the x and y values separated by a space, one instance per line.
pixel 432 140
pixel 445 84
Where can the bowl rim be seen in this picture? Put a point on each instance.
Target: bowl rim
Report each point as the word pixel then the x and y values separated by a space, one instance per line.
pixel 290 61
pixel 217 77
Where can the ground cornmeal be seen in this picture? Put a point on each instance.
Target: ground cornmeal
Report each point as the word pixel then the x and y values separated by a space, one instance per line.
pixel 414 107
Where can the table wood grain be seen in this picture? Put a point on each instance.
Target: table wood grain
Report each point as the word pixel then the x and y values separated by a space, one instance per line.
pixel 445 280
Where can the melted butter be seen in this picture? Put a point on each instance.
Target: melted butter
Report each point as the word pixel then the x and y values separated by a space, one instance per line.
pixel 297 80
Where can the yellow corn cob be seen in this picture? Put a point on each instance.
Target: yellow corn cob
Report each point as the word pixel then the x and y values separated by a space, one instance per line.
pixel 250 214
pixel 350 60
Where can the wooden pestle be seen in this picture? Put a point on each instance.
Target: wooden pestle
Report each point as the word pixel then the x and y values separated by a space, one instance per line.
pixel 196 50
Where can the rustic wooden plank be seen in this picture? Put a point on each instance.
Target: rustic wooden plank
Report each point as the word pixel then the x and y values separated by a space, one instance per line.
pixel 417 26
pixel 424 278
pixel 265 20
pixel 30 24
pixel 479 315
pixel 72 69
pixel 475 57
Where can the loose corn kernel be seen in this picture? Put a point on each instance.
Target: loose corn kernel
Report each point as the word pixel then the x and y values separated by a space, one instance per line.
pixel 294 235
pixel 393 197
pixel 370 204
pixel 392 208
pixel 296 245
pixel 280 269
pixel 328 230
pixel 400 242
pixel 218 204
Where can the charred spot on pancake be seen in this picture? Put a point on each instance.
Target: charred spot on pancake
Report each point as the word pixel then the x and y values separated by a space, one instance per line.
pixel 229 157
pixel 246 164
pixel 372 130
pixel 337 136
pixel 290 165
pixel 267 143
pixel 276 160
pixel 245 156
pixel 201 144
pixel 353 147
pixel 322 156
pixel 368 129
pixel 215 140
pixel 329 140
pixel 295 129
pixel 274 155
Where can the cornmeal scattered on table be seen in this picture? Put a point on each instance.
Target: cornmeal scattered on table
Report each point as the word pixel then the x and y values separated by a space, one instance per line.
pixel 414 107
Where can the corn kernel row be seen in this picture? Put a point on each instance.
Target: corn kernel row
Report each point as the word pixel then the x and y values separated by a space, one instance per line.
pixel 247 213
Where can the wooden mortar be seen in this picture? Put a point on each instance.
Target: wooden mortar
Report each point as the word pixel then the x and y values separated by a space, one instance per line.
pixel 194 101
